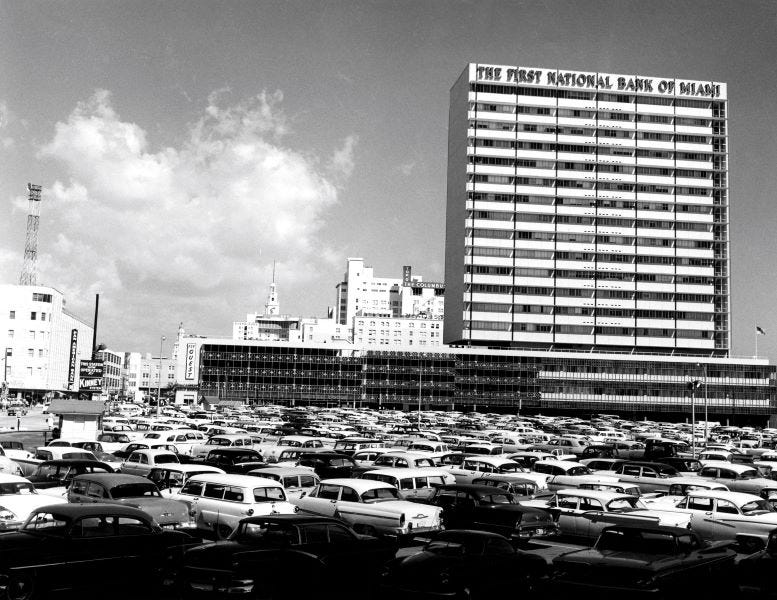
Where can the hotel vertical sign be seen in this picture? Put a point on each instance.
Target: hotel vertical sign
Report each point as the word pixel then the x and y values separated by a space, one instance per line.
pixel 190 355
pixel 71 371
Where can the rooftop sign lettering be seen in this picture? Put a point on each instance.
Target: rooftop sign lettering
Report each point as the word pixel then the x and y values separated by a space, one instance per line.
pixel 599 81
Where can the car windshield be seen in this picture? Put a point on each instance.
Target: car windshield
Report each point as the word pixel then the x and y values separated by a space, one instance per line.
pixel 510 467
pixel 80 455
pixel 134 490
pixel 756 507
pixel 748 474
pixel 18 487
pixel 217 442
pixel 8 445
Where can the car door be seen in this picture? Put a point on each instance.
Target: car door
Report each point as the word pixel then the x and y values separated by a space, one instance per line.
pixel 702 517
pixel 728 522
pixel 209 505
pixel 591 518
pixel 132 464
pixel 322 501
pixel 565 511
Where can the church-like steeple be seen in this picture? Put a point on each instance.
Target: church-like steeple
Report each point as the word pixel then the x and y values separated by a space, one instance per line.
pixel 271 307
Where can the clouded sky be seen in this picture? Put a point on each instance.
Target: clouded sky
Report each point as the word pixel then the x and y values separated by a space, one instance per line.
pixel 185 145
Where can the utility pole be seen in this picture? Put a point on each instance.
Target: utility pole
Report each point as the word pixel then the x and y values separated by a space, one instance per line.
pixel 159 380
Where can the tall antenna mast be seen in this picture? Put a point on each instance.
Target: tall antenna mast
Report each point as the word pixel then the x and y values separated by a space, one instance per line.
pixel 29 275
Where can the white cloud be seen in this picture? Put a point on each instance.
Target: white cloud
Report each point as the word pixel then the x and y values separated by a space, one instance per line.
pixel 342 160
pixel 407 168
pixel 158 228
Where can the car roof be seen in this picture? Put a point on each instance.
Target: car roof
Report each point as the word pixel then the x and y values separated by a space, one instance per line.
pixel 471 487
pixel 559 463
pixel 234 449
pixel 187 468
pixel 603 495
pixel 494 460
pixel 8 478
pixel 113 478
pixel 411 472
pixel 232 479
pixel 153 451
pixel 74 461
pixel 285 471
pixel 736 497
pixel 722 464
pixel 360 485
pixel 73 511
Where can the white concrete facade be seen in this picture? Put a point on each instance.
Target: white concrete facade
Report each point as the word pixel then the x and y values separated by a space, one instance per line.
pixel 587 210
pixel 36 333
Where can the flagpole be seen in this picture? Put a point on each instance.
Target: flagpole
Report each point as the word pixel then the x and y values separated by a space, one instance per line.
pixel 756 340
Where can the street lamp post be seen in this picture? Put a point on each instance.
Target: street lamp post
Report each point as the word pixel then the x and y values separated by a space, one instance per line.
pixel 692 387
pixel 420 376
pixel 706 420
pixel 159 379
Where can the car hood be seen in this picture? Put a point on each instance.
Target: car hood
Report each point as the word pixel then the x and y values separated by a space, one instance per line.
pixel 16 547
pixel 22 505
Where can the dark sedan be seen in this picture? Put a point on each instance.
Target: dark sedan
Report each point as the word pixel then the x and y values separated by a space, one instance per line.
pixel 483 507
pixel 56 473
pixel 328 465
pixel 464 564
pixel 66 546
pixel 630 561
pixel 266 556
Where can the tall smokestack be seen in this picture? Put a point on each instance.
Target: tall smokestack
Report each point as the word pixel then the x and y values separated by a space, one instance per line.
pixel 94 332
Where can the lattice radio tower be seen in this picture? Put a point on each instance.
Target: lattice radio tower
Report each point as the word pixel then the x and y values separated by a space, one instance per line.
pixel 29 274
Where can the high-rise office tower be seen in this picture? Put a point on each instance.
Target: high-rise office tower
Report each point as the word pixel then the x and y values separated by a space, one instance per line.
pixel 587 211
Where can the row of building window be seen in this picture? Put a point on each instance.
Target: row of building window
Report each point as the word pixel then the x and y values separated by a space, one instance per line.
pixel 584 184
pixel 682 261
pixel 590 167
pixel 589 330
pixel 610 203
pixel 621 133
pixel 31 334
pixel 598 149
pixel 598 275
pixel 628 223
pixel 630 295
pixel 575 113
pixel 34 315
pixel 543 92
pixel 587 311
pixel 582 238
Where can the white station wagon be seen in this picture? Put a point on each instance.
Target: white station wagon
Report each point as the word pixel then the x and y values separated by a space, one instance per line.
pixel 218 502
pixel 370 506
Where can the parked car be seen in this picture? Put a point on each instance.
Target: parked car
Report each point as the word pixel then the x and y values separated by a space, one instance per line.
pixel 128 490
pixel 464 564
pixel 265 554
pixel 218 502
pixel 112 441
pixel 241 440
pixel 483 507
pixel 630 561
pixel 755 572
pixel 296 481
pixel 53 476
pixel 234 459
pixel 567 474
pixel 146 445
pixel 474 467
pixel 14 449
pixel 352 445
pixel 63 452
pixel 365 458
pixel 649 476
pixel 738 478
pixel 678 490
pixel 59 546
pixel 19 498
pixel 602 464
pixel 584 513
pixel 519 487
pixel 566 445
pixel 328 465
pixel 370 507
pixel 170 478
pixel 723 515
pixel 685 465
pixel 141 462
pixel 412 483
